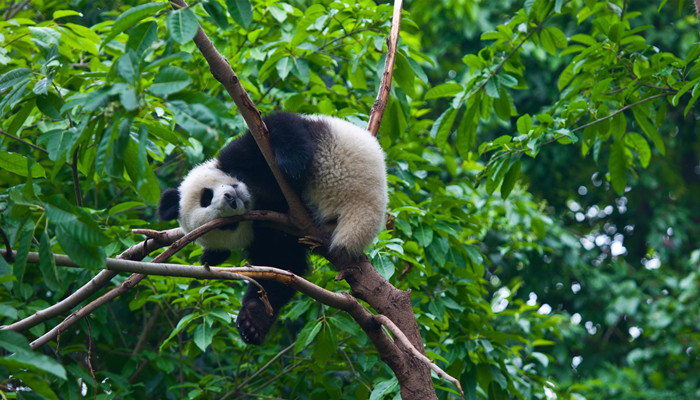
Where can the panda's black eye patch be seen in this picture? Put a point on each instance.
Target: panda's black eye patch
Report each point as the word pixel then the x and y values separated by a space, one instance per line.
pixel 205 198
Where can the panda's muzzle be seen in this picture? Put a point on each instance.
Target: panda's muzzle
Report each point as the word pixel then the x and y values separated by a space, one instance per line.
pixel 233 201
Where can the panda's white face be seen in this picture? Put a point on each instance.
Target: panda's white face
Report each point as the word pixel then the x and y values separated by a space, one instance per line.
pixel 208 193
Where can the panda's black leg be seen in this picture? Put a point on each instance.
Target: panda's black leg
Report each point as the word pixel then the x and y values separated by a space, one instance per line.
pixel 253 321
pixel 274 249
pixel 214 256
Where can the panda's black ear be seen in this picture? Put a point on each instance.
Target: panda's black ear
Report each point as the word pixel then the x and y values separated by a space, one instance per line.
pixel 169 205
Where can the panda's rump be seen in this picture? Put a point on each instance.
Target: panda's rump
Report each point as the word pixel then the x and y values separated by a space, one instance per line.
pixel 348 184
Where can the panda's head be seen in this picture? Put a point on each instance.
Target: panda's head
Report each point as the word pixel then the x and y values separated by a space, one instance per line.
pixel 205 194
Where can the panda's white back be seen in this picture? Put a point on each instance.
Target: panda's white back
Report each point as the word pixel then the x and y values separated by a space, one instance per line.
pixel 349 184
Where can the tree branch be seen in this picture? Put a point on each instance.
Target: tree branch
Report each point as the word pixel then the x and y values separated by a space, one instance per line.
pixel 398 335
pixel 135 252
pixel 377 112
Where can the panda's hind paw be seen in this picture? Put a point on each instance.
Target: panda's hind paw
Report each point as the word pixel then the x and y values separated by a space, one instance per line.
pixel 253 322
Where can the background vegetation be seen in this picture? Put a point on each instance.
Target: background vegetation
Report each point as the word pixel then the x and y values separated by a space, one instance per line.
pixel 544 162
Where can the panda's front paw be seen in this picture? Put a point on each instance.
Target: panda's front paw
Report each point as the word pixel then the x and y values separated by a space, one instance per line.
pixel 253 322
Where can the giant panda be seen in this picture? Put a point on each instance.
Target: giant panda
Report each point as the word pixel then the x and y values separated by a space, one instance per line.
pixel 335 167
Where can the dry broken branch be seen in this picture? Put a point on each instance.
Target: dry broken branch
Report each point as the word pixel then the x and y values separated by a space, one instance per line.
pixel 377 112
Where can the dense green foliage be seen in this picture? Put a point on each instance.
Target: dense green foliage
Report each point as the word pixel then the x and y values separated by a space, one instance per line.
pixel 544 161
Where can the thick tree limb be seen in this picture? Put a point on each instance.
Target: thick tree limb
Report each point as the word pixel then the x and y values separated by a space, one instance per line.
pixel 377 112
pixel 398 335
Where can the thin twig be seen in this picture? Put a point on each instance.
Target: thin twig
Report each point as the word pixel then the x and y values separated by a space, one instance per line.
pixel 13 10
pixel 627 107
pixel 399 335
pixel 89 358
pixel 267 364
pixel 32 145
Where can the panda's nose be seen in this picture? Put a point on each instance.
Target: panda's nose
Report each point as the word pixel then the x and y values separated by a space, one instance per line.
pixel 231 200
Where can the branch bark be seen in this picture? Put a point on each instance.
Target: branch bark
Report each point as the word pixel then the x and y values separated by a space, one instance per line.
pixel 377 112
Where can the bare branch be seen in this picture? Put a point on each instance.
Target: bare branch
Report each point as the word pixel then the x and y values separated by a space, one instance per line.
pixel 135 252
pixel 375 115
pixel 398 335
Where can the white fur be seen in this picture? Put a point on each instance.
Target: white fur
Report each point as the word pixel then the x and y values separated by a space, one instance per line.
pixel 192 215
pixel 349 184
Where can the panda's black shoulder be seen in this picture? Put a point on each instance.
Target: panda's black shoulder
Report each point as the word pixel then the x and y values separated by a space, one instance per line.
pixel 241 154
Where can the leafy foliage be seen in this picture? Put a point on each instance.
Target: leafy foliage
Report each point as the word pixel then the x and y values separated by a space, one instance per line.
pixel 571 272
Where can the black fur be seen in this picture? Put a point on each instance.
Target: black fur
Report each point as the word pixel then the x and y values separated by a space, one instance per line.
pixel 169 205
pixel 292 144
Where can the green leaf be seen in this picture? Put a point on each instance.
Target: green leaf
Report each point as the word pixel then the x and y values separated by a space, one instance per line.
pixel 47 265
pixel 284 67
pixel 384 266
pixel 217 13
pixel 74 220
pixel 448 89
pixel 241 11
pixel 17 164
pixel 58 142
pixel 64 13
pixel 566 76
pixel 383 388
pixel 326 344
pixel 640 145
pixel 617 165
pixel 649 129
pixel 423 234
pixel 524 124
pixel 502 105
pixel 541 358
pixel 510 179
pixel 466 130
pixel 497 171
pixel 182 25
pixel 50 105
pixel 170 80
pixel 141 37
pixel 301 70
pixel 403 74
pixel 131 17
pixel 307 335
pixel 43 85
pixel 23 357
pixel 443 126
pixel 184 321
pixel 203 335
pixel 128 67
